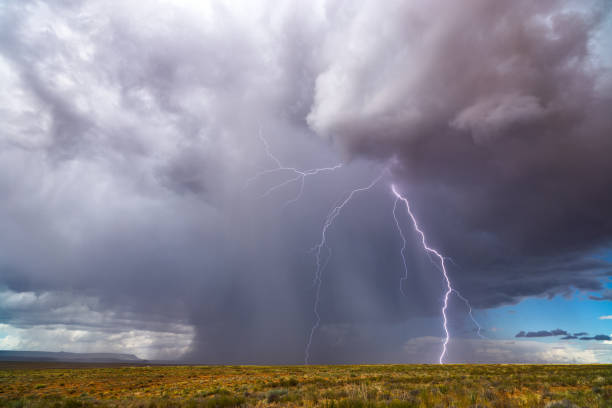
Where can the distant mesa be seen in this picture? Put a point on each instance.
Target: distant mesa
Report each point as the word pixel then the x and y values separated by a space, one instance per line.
pixel 39 356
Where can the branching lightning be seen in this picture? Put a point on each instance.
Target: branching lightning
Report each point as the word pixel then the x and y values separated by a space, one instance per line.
pixel 323 252
pixel 432 251
pixel 298 175
pixel 441 266
pixel 320 264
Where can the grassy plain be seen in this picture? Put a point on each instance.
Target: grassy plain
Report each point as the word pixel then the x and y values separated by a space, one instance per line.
pixel 359 386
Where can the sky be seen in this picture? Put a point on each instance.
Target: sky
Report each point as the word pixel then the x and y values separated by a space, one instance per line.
pixel 151 200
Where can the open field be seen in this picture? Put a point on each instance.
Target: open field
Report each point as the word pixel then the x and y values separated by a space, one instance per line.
pixel 395 386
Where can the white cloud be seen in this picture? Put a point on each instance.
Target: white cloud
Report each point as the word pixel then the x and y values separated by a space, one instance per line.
pixel 427 349
pixel 58 321
pixel 609 317
pixel 145 344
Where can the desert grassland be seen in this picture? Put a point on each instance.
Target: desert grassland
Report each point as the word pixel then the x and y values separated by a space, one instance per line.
pixel 395 386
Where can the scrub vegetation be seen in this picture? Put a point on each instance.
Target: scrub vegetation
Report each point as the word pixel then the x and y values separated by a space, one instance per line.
pixel 357 386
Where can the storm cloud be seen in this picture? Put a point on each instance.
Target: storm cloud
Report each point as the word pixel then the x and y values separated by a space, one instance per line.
pixel 599 337
pixel 605 295
pixel 130 132
pixel 498 115
pixel 542 333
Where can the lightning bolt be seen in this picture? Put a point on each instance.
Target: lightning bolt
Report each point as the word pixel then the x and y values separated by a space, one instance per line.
pixel 434 252
pixel 321 264
pixel 323 252
pixel 298 175
pixel 467 302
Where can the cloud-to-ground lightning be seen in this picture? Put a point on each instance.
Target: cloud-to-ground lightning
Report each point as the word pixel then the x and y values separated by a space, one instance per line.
pixel 432 251
pixel 467 302
pixel 298 175
pixel 320 266
pixel 321 260
pixel 460 296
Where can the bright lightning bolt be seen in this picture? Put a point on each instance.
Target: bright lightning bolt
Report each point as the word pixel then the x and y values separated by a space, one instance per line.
pixel 321 261
pixel 449 288
pixel 299 175
pixel 320 265
pixel 467 302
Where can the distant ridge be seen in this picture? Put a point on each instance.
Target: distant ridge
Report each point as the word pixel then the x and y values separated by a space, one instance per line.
pixel 15 355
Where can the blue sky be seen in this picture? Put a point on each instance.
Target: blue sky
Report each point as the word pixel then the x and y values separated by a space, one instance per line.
pixel 574 314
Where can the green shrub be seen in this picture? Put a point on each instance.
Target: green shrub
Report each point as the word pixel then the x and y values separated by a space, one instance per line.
pixel 288 382
pixel 222 401
pixel 275 395
pixel 561 404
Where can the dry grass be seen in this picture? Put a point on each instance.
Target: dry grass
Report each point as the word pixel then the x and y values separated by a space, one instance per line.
pixel 394 386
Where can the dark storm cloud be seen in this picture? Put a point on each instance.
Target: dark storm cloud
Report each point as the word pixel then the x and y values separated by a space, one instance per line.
pixel 569 337
pixel 132 130
pixel 605 295
pixel 600 337
pixel 499 116
pixel 542 333
pixel 145 213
